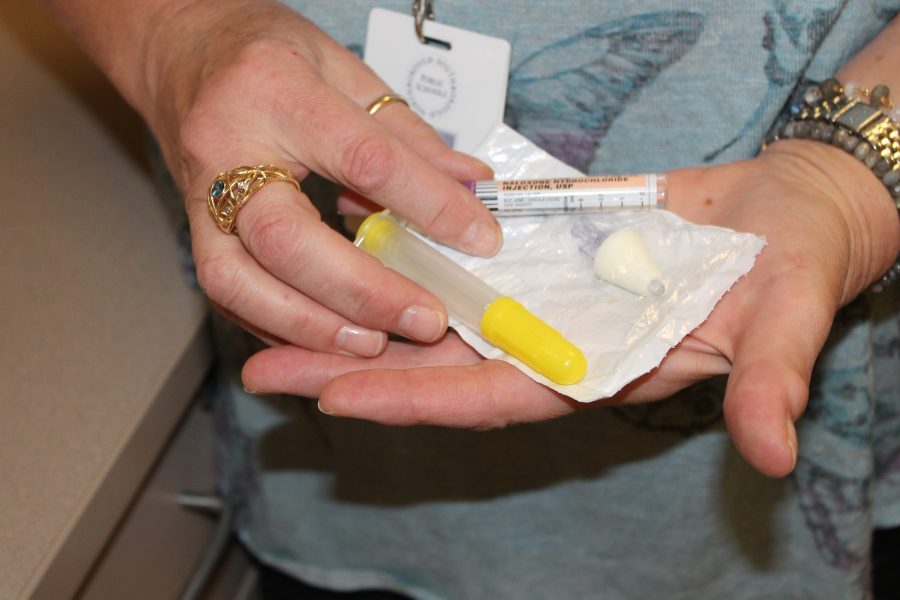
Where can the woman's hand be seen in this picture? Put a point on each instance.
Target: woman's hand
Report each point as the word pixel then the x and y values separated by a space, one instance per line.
pixel 224 83
pixel 831 230
pixel 270 88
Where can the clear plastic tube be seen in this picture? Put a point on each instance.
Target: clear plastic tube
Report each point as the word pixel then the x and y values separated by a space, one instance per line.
pixel 499 319
pixel 465 296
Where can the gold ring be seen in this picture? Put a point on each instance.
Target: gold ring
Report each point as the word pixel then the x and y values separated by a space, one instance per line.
pixel 232 189
pixel 383 101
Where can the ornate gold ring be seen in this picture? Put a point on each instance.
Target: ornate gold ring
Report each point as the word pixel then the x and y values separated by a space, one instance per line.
pixel 232 189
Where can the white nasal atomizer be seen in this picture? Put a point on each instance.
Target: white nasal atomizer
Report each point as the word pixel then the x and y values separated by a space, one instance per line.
pixel 621 258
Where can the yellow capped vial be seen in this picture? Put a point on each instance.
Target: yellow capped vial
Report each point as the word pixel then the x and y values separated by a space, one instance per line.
pixel 501 320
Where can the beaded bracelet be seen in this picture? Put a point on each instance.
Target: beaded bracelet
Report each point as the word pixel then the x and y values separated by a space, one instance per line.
pixel 840 115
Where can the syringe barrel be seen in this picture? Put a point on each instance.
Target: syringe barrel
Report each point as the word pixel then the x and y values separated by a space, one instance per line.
pixel 572 194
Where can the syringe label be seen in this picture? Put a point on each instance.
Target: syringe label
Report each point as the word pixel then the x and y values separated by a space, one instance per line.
pixel 562 195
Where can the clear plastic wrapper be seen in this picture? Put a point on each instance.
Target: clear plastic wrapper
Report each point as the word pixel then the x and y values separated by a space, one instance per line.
pixel 623 335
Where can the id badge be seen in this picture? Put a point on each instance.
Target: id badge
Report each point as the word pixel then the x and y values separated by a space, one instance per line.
pixel 456 81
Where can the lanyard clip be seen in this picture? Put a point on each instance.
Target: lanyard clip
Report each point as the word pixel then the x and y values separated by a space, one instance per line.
pixel 421 10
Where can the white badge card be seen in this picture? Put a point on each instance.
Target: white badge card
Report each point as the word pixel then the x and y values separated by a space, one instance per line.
pixel 456 81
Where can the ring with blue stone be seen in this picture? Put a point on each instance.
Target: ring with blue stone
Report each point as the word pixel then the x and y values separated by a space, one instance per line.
pixel 232 189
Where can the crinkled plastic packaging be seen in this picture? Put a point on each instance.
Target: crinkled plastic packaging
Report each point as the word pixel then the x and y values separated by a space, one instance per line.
pixel 623 335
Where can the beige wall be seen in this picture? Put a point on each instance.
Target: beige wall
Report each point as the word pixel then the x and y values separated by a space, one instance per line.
pixel 102 343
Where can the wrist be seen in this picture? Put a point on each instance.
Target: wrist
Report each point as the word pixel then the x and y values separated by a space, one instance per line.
pixel 177 45
pixel 868 225
pixel 863 123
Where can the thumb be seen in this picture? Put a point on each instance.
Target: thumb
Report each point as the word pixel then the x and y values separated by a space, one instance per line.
pixel 768 387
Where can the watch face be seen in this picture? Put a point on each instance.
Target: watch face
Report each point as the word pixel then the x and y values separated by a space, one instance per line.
pixel 858 116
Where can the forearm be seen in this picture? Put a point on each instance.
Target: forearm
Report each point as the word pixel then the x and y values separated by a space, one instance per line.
pixel 160 54
pixel 154 50
pixel 878 62
pixel 118 38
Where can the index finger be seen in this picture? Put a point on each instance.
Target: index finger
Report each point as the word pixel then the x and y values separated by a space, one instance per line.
pixel 343 142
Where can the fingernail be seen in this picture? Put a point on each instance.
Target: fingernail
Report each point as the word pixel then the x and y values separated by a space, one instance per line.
pixel 326 412
pixel 420 323
pixel 482 238
pixel 258 393
pixel 360 341
pixel 792 442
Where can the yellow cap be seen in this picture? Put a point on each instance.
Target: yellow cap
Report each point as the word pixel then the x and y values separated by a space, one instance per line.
pixel 512 328
pixel 375 232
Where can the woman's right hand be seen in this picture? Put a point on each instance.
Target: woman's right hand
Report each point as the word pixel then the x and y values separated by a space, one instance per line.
pixel 229 83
